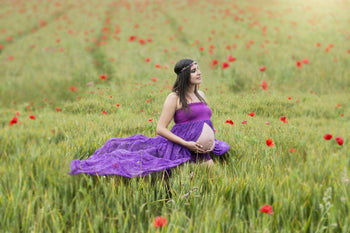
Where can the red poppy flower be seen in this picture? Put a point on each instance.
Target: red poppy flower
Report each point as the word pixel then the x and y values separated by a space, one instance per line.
pixel 117 105
pixel 1 46
pixel 231 58
pixel 292 150
pixel 225 65
pixel 148 59
pixel 160 222
pixel 142 41
pixel 262 69
pixel 73 88
pixel 214 62
pixel 58 109
pixel 284 119
pixel 269 142
pixel 299 64
pixel 252 114
pixel 327 136
pixel 154 79
pixel 201 49
pixel 32 117
pixel 264 85
pixel 305 61
pixel 158 66
pixel 244 122
pixel 14 120
pixel 150 119
pixel 132 38
pixel 266 209
pixel 17 113
pixel 339 140
pixel 104 112
pixel 289 98
pixel 103 77
pixel 229 122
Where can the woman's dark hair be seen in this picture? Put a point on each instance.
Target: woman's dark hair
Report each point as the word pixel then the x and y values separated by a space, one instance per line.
pixel 182 82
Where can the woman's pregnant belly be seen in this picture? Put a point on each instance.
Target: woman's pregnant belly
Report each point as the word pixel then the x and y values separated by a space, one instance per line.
pixel 207 138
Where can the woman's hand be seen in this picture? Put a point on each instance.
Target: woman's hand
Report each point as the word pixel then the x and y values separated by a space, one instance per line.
pixel 195 147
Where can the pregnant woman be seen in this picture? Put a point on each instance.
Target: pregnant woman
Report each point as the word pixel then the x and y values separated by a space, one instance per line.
pixel 191 138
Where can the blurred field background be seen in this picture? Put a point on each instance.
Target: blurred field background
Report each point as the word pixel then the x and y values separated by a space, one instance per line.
pixel 76 73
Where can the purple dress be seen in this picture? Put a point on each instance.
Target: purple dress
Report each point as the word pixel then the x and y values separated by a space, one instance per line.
pixel 140 155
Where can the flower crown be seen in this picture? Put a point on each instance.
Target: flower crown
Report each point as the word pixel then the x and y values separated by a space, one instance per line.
pixel 190 65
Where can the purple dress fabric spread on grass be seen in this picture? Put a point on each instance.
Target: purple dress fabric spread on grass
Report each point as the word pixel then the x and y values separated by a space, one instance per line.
pixel 140 155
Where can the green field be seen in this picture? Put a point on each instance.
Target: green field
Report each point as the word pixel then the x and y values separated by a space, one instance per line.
pixel 52 56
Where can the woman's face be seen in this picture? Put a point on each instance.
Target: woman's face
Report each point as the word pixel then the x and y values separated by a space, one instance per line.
pixel 195 74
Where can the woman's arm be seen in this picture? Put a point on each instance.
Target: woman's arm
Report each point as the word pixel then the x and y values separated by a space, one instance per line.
pixel 166 116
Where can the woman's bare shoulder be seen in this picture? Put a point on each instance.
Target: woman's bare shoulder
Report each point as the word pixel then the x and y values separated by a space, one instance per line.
pixel 173 99
pixel 173 95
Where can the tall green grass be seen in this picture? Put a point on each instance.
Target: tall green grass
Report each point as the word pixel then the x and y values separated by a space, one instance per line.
pixel 308 189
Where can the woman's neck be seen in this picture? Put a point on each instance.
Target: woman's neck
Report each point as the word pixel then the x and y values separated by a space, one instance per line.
pixel 191 89
pixel 192 97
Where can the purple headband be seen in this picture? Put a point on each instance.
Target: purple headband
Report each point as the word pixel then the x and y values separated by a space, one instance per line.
pixel 190 65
